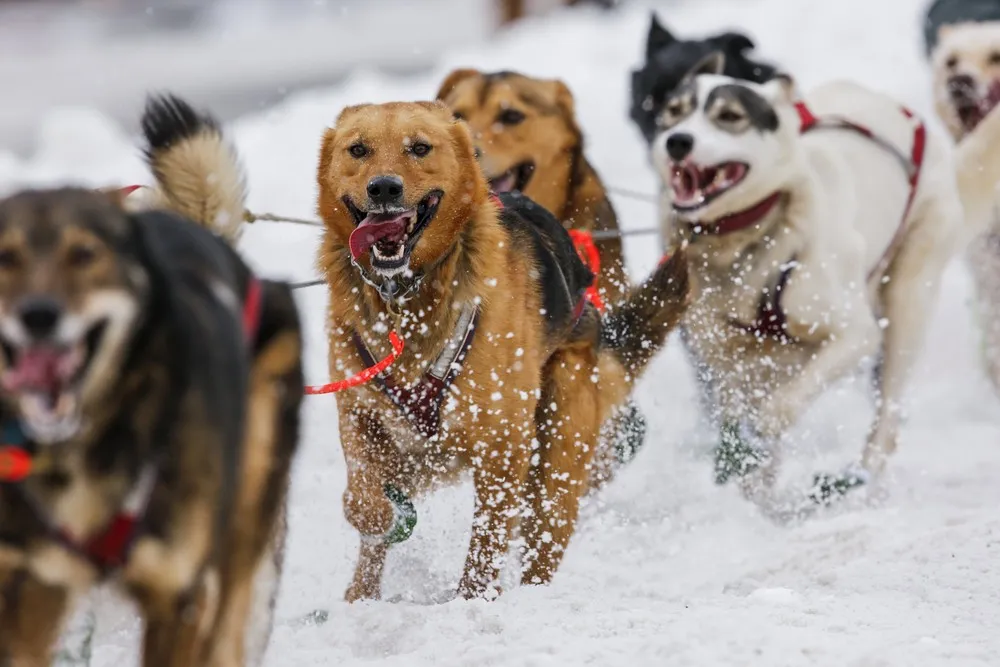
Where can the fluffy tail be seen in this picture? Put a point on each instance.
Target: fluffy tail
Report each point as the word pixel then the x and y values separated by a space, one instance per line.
pixel 198 174
pixel 636 330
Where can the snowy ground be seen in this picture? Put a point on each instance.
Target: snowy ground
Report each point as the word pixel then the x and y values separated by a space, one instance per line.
pixel 666 568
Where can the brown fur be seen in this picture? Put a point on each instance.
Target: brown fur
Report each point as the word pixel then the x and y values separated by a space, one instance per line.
pixel 563 181
pixel 515 369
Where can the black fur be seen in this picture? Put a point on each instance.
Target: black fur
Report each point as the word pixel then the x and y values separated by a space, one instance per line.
pixel 564 276
pixel 761 114
pixel 668 59
pixel 168 120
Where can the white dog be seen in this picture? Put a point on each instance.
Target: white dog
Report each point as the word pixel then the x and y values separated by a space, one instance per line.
pixel 817 236
pixel 965 59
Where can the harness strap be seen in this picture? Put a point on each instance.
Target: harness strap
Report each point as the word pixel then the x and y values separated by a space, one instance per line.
pixel 771 318
pixel 421 402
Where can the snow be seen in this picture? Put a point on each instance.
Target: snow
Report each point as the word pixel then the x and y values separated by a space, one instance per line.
pixel 665 568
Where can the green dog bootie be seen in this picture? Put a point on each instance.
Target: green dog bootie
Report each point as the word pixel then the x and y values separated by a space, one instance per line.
pixel 734 457
pixel 827 488
pixel 404 516
pixel 630 432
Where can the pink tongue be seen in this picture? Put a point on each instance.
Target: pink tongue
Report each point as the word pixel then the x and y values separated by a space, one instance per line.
pixel 375 228
pixel 503 183
pixel 685 182
pixel 37 368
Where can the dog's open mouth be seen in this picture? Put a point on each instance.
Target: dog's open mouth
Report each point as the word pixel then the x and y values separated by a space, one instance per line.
pixel 390 235
pixel 971 107
pixel 694 186
pixel 45 380
pixel 515 178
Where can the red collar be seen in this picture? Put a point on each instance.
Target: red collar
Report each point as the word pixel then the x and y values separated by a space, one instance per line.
pixel 734 222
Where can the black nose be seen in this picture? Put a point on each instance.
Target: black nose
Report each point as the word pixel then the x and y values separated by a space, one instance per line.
pixel 40 317
pixel 962 86
pixel 679 146
pixel 385 190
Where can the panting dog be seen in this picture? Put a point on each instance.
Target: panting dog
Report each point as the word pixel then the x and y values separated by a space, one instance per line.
pixel 669 58
pixel 528 140
pixel 818 232
pixel 963 43
pixel 150 390
pixel 468 313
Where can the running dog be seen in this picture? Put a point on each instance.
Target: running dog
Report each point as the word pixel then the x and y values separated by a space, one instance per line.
pixel 466 312
pixel 963 42
pixel 151 389
pixel 528 140
pixel 818 232
pixel 669 58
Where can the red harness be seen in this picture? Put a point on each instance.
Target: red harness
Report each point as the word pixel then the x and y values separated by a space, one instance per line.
pixel 109 549
pixel 771 321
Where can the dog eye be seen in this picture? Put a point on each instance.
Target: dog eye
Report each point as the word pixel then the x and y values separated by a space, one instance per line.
pixel 458 115
pixel 995 58
pixel 420 149
pixel 510 117
pixel 674 109
pixel 951 62
pixel 729 116
pixel 9 258
pixel 81 255
pixel 358 150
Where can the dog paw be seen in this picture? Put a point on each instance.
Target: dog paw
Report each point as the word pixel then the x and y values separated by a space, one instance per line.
pixel 629 432
pixel 471 589
pixel 735 456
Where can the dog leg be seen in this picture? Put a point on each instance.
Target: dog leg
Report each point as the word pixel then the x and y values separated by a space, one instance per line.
pixel 177 624
pixel 499 472
pixel 907 302
pixel 31 618
pixel 570 419
pixel 370 461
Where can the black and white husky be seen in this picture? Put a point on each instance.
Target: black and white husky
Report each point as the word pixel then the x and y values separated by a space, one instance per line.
pixel 818 230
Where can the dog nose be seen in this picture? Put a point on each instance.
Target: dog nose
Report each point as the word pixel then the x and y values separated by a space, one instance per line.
pixel 385 190
pixel 961 86
pixel 679 146
pixel 40 317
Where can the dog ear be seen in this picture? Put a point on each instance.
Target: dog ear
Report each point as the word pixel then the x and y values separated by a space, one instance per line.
pixel 453 79
pixel 782 88
pixel 325 153
pixel 713 63
pixel 734 43
pixel 563 99
pixel 659 37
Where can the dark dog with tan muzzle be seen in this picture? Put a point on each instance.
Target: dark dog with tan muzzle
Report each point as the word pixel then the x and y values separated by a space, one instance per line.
pixel 151 388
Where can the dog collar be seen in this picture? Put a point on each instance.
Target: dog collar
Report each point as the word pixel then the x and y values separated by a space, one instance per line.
pixel 734 222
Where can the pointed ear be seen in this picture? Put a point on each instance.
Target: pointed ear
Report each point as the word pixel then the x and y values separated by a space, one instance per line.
pixel 453 79
pixel 782 88
pixel 659 37
pixel 563 98
pixel 734 42
pixel 713 63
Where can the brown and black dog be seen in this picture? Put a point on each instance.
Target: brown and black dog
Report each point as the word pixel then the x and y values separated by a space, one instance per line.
pixel 528 139
pixel 151 389
pixel 505 370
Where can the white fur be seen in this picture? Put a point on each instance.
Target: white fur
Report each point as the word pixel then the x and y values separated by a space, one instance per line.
pixel 846 197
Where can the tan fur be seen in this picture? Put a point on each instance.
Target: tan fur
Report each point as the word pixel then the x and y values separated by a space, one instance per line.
pixel 493 418
pixel 549 136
